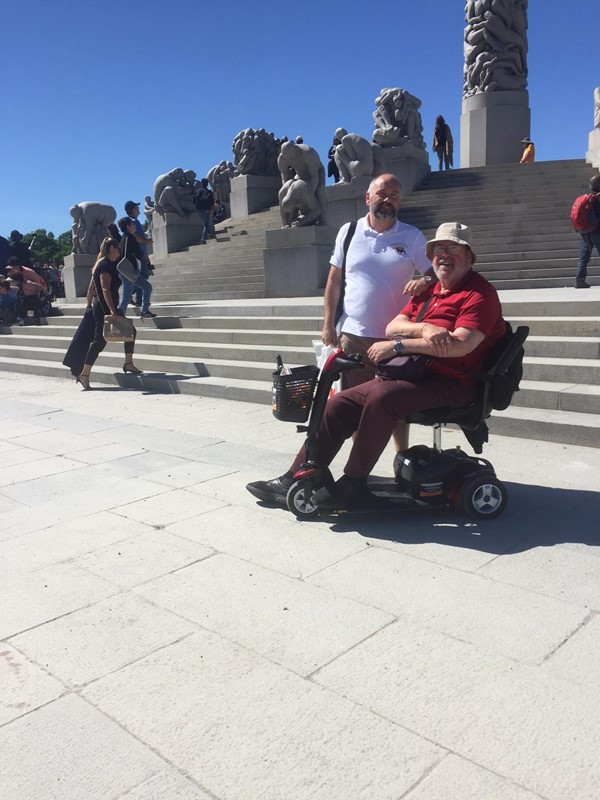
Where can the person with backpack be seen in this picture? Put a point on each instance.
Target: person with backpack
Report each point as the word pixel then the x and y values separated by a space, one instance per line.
pixel 204 200
pixel 585 218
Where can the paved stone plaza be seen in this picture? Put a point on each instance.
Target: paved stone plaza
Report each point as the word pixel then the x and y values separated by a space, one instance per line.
pixel 166 638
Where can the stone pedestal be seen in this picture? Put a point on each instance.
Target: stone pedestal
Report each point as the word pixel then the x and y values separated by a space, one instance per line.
pixel 409 164
pixel 492 126
pixel 346 201
pixel 172 233
pixel 593 154
pixel 297 260
pixel 252 193
pixel 76 275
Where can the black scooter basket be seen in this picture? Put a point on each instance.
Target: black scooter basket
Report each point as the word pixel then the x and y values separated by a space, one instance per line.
pixel 293 393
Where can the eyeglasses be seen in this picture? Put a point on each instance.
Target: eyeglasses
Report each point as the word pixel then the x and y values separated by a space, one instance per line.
pixel 453 249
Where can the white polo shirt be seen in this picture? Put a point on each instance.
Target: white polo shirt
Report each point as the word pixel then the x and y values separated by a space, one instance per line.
pixel 378 267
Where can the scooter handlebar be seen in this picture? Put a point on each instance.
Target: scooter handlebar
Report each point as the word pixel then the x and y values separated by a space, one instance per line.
pixel 339 361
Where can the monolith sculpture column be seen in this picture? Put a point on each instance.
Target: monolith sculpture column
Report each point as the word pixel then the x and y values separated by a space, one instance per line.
pixel 495 108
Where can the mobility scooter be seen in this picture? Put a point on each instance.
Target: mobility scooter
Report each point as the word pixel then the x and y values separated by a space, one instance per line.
pixel 423 476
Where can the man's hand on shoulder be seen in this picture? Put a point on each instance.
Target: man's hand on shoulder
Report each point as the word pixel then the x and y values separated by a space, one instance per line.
pixel 416 286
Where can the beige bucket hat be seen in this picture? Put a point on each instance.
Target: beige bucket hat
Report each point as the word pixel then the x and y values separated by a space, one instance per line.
pixel 451 232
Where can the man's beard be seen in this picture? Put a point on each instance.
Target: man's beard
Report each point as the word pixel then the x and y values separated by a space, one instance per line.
pixel 382 210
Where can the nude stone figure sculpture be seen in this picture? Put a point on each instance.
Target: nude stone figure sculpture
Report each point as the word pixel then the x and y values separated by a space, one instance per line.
pixel 495 46
pixel 302 199
pixel 597 107
pixel 91 220
pixel 173 192
pixel 255 152
pixel 148 210
pixel 355 156
pixel 397 119
pixel 219 178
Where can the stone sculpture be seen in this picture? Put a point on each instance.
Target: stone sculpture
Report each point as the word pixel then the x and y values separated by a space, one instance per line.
pixel 255 152
pixel 597 107
pixel 174 192
pixel 219 178
pixel 495 46
pixel 302 199
pixel 355 156
pixel 397 119
pixel 148 210
pixel 90 222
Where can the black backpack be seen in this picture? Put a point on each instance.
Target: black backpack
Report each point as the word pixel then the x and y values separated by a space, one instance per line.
pixel 504 366
pixel 508 373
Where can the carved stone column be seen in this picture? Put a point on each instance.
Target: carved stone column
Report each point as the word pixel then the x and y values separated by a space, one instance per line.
pixel 495 108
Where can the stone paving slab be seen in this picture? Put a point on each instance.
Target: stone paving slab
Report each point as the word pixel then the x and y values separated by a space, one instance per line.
pixel 499 617
pixel 163 635
pixel 510 718
pixel 74 647
pixel 24 685
pixel 66 541
pixel 456 778
pixel 288 621
pixel 244 727
pixel 69 750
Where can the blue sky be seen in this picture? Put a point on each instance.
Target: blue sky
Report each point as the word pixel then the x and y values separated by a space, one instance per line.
pixel 101 97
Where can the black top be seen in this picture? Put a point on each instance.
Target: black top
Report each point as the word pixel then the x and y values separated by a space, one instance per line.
pixel 130 249
pixel 110 267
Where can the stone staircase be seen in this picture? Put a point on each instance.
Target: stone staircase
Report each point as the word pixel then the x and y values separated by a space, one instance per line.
pixel 228 267
pixel 519 214
pixel 227 349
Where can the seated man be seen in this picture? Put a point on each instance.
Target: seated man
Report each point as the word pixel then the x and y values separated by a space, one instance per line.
pixel 461 323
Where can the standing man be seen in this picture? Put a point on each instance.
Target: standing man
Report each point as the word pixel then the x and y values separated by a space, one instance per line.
pixel 382 258
pixel 589 239
pixel 133 211
pixel 204 200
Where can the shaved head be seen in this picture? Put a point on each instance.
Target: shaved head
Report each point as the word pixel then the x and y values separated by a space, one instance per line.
pixel 388 178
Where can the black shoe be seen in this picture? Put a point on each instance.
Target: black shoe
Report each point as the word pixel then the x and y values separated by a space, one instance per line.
pixel 147 315
pixel 582 285
pixel 346 492
pixel 274 491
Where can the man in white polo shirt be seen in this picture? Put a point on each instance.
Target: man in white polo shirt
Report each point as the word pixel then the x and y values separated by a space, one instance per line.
pixel 382 258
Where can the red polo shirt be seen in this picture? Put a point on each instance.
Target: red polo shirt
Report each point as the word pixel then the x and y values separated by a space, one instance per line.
pixel 474 304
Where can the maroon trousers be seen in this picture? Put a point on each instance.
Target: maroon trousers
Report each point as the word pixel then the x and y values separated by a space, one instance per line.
pixel 372 409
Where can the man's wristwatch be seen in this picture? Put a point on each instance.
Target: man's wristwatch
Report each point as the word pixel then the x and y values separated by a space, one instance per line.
pixel 427 278
pixel 398 347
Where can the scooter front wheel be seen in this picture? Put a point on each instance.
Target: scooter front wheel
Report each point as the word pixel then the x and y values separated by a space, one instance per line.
pixel 299 499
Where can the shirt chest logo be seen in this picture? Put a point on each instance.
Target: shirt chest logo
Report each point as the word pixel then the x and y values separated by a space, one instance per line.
pixel 399 248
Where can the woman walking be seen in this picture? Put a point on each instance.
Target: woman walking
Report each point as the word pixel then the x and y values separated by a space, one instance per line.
pixel 131 250
pixel 103 297
pixel 442 142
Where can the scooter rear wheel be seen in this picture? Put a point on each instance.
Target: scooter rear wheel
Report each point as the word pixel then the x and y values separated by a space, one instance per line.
pixel 483 497
pixel 299 499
